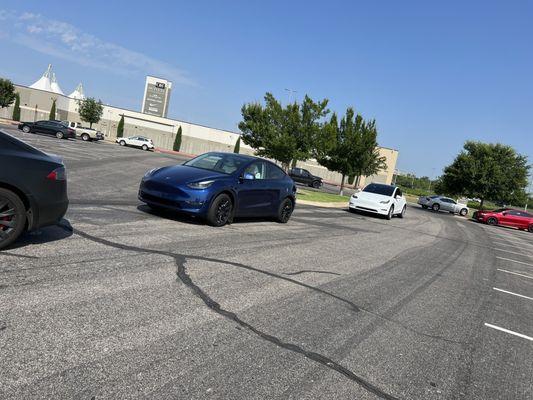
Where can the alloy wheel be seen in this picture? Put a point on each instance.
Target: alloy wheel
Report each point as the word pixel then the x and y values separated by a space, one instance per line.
pixel 223 212
pixel 286 211
pixel 8 218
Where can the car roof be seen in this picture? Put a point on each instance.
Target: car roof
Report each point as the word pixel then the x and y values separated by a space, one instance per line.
pixel 19 143
pixel 382 185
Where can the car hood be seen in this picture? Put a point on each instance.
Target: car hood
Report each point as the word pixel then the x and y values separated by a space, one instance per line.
pixel 372 197
pixel 184 174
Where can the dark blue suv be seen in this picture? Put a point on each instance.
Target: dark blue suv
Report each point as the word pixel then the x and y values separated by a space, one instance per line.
pixel 221 186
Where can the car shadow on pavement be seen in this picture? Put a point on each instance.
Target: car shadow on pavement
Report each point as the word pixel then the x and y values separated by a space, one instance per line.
pixel 44 235
pixel 189 219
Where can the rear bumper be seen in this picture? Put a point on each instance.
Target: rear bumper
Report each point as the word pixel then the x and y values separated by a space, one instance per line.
pixel 46 213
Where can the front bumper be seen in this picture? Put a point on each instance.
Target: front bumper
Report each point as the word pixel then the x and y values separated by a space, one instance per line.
pixel 381 209
pixel 195 202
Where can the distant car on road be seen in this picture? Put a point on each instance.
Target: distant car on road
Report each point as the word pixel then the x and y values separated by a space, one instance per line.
pixel 220 186
pixel 58 129
pixel 442 203
pixel 379 199
pixel 33 189
pixel 86 134
pixel 137 141
pixel 301 175
pixel 506 217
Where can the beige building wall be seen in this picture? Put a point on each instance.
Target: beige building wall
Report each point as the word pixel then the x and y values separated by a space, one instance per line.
pixel 196 139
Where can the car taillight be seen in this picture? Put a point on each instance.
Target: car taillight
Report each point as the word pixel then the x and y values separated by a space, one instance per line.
pixel 58 174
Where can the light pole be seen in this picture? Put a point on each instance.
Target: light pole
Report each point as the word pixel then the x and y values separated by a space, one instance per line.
pixel 432 174
pixel 528 193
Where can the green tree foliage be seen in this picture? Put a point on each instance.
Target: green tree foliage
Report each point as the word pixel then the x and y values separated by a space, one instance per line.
pixel 350 147
pixel 16 109
pixel 7 93
pixel 282 133
pixel 486 171
pixel 52 115
pixel 177 140
pixel 120 127
pixel 90 110
pixel 237 147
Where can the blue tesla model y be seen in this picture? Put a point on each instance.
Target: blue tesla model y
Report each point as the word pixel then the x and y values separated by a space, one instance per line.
pixel 220 186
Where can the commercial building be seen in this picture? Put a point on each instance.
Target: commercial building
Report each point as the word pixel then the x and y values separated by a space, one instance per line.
pixel 36 101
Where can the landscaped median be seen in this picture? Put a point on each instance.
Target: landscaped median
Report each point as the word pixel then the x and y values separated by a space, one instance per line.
pixel 321 199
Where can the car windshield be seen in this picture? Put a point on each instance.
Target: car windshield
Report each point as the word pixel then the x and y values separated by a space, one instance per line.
pixel 385 190
pixel 224 163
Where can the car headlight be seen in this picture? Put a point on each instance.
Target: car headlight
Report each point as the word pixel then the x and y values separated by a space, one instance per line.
pixel 200 185
pixel 149 173
pixel 385 202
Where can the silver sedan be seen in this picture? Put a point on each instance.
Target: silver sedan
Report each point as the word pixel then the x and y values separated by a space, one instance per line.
pixel 441 203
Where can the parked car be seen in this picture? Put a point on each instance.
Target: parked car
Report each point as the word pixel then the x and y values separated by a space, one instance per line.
pixel 441 203
pixel 86 134
pixel 301 175
pixel 506 217
pixel 58 129
pixel 33 189
pixel 220 186
pixel 380 199
pixel 136 141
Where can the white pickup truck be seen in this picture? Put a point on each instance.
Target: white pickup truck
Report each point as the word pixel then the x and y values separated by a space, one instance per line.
pixel 86 134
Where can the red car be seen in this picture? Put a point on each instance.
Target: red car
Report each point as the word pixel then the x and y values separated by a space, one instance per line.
pixel 507 217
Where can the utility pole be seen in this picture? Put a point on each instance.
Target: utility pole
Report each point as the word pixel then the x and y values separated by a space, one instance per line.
pixel 290 93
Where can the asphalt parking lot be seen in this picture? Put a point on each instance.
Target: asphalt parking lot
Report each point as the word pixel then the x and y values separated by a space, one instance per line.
pixel 119 302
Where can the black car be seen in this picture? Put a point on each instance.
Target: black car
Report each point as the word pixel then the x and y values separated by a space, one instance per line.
pixel 304 176
pixel 33 189
pixel 57 128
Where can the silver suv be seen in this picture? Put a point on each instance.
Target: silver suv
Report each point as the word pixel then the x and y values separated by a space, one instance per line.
pixel 441 203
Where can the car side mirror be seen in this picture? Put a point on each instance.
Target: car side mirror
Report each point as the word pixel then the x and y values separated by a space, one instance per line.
pixel 248 177
pixel 504 213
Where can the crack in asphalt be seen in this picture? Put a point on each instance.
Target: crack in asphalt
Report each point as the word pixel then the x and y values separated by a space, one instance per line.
pixel 183 276
pixel 311 271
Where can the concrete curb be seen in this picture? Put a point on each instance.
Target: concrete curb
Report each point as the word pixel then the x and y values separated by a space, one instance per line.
pixel 323 204
pixel 176 153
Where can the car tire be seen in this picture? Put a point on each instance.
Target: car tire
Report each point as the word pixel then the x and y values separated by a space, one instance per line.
pixel 85 137
pixel 12 217
pixel 122 143
pixel 391 212
pixel 530 228
pixel 26 129
pixel 145 147
pixel 402 214
pixel 463 212
pixel 316 184
pixel 220 211
pixel 285 211
pixel 435 207
pixel 492 221
pixel 60 135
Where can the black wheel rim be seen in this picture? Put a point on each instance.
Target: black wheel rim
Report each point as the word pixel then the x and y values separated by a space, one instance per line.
pixel 286 211
pixel 223 212
pixel 8 218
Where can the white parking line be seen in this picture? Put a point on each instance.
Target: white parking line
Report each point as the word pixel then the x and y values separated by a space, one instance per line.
pixel 512 252
pixel 514 294
pixel 520 246
pixel 509 331
pixel 515 273
pixel 515 261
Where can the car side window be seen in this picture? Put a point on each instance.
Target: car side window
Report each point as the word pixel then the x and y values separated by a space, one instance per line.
pixel 257 170
pixel 274 172
pixel 398 193
pixel 513 212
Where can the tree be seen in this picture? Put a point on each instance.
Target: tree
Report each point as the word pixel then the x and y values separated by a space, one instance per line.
pixel 90 110
pixel 120 127
pixel 282 133
pixel 177 140
pixel 486 171
pixel 7 93
pixel 349 148
pixel 237 147
pixel 16 109
pixel 52 115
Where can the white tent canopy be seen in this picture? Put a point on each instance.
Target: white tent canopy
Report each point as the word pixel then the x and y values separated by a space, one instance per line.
pixel 55 86
pixel 44 83
pixel 78 93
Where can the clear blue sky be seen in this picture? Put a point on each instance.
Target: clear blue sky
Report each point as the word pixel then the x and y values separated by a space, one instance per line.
pixel 433 74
